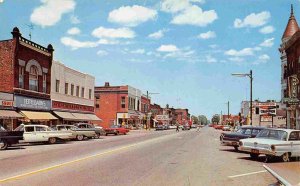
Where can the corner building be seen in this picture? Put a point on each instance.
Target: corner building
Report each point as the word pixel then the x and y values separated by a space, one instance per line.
pixel 25 75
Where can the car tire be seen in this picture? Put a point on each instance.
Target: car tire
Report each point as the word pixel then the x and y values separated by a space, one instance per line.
pixel 52 140
pixel 4 145
pixel 117 133
pixel 286 157
pixel 79 137
pixel 254 156
pixel 236 148
pixel 97 135
pixel 268 158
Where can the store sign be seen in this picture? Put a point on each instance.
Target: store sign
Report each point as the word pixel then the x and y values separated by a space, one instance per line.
pixel 32 103
pixel 71 106
pixel 291 101
pixel 266 118
pixel 293 86
pixel 162 117
pixel 268 108
pixel 7 103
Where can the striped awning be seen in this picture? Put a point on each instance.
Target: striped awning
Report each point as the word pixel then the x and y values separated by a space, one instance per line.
pixel 10 114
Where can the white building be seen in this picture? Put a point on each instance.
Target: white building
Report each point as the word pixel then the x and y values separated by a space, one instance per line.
pixel 72 94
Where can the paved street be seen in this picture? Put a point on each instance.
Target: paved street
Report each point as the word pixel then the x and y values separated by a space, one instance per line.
pixel 139 158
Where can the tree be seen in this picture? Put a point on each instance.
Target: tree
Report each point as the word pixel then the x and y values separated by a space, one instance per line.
pixel 195 119
pixel 202 119
pixel 215 118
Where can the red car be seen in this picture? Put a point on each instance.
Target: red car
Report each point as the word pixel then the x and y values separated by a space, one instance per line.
pixel 220 127
pixel 116 130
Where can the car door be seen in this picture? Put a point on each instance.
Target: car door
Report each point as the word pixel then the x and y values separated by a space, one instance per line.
pixel 41 133
pixel 294 140
pixel 29 134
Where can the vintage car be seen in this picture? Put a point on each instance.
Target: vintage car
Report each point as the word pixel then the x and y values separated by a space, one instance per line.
pixel 97 130
pixel 159 127
pixel 77 133
pixel 232 138
pixel 284 143
pixel 8 138
pixel 42 133
pixel 116 130
pixel 186 127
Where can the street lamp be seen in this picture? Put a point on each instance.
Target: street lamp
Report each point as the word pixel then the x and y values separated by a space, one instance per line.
pixel 251 79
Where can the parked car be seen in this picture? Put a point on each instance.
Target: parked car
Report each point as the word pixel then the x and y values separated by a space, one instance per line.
pixel 42 133
pixel 186 127
pixel 284 143
pixel 116 130
pixel 232 138
pixel 172 127
pixel 77 133
pixel 8 138
pixel 194 126
pixel 219 127
pixel 159 127
pixel 98 131
pixel 226 128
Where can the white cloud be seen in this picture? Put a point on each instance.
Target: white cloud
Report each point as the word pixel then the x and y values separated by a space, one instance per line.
pixel 107 42
pixel 74 31
pixel 207 35
pixel 253 20
pixel 1 1
pixel 213 46
pixel 167 48
pixel 51 11
pixel 267 42
pixel 194 15
pixel 237 59
pixel 267 30
pixel 157 35
pixel 138 51
pixel 262 59
pixel 75 44
pixel 74 19
pixel 173 6
pixel 132 15
pixel 238 53
pixel 102 53
pixel 102 32
pixel 210 59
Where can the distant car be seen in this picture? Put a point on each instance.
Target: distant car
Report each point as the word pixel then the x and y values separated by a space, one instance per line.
pixel 42 133
pixel 89 126
pixel 193 126
pixel 8 138
pixel 219 127
pixel 77 133
pixel 284 143
pixel 226 128
pixel 159 127
pixel 116 130
pixel 186 127
pixel 232 138
pixel 172 127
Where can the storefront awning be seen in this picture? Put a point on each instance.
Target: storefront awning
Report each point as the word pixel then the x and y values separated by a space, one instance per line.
pixel 65 115
pixel 82 117
pixel 93 117
pixel 38 115
pixel 9 114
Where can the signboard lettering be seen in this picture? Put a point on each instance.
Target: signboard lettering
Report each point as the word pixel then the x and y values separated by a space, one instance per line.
pixel 32 103
pixel 162 117
pixel 7 103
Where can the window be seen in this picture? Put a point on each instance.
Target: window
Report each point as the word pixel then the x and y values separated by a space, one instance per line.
pixel 138 105
pixel 21 77
pixel 123 102
pixel 82 92
pixel 72 89
pixel 90 93
pixel 77 91
pixel 66 88
pixel 33 78
pixel 57 86
pixel 29 129
pixel 38 128
pixel 97 101
pixel 44 83
pixel 294 136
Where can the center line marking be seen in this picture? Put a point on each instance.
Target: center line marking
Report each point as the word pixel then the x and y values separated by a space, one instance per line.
pixel 246 174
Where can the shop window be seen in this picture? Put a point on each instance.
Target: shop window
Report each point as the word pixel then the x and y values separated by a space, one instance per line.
pixel 90 93
pixel 66 88
pixel 77 91
pixel 57 86
pixel 44 83
pixel 21 77
pixel 123 102
pixel 82 92
pixel 33 78
pixel 72 89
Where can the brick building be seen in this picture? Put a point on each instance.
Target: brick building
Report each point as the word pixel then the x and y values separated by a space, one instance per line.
pixel 290 71
pixel 25 75
pixel 72 94
pixel 182 115
pixel 145 109
pixel 118 105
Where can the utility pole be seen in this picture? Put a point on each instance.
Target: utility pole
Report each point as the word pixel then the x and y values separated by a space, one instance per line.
pixel 251 79
pixel 30 29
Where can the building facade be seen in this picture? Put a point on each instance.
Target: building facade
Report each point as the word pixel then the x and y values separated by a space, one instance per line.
pixel 118 105
pixel 25 79
pixel 72 95
pixel 182 115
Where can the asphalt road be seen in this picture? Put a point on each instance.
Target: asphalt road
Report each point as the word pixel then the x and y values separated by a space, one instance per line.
pixel 139 158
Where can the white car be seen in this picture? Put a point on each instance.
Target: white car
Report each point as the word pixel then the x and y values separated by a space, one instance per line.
pixel 41 133
pixel 284 143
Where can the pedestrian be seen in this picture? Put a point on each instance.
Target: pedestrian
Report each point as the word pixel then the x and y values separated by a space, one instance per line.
pixel 177 126
pixel 198 127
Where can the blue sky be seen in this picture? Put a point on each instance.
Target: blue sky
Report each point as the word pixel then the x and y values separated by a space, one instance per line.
pixel 185 50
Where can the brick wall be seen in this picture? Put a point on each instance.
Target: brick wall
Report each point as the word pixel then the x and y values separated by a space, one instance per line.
pixel 7 65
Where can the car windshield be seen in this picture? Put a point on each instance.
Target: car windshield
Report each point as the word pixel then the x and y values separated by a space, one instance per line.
pixel 1 128
pixel 19 128
pixel 241 131
pixel 114 126
pixel 272 134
